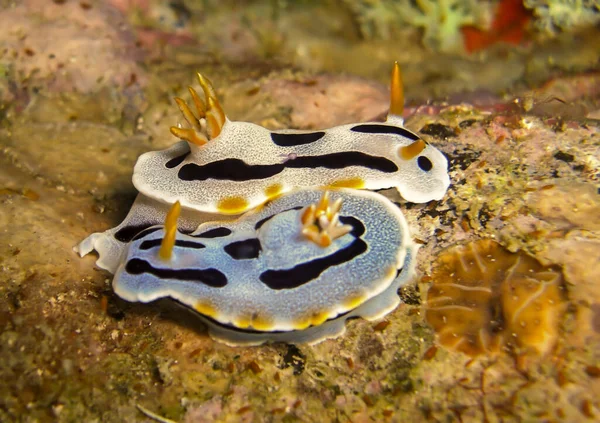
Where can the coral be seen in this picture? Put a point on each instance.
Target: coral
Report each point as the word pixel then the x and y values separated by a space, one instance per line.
pixel 561 15
pixel 568 205
pixel 376 18
pixel 509 24
pixel 484 298
pixel 68 47
pixel 440 20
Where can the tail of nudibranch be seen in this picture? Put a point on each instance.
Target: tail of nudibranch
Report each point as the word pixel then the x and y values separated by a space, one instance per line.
pixel 209 119
pixel 396 95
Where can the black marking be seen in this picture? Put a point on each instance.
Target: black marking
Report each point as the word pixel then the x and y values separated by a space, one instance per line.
pixel 127 233
pixel 438 130
pixel 306 272
pixel 293 357
pixel 146 245
pixel 462 159
pixel 244 250
pixel 385 129
pixel 343 160
pixel 214 233
pixel 261 222
pixel 467 123
pixel 485 214
pixel 176 161
pixel 409 294
pixel 358 229
pixel 424 163
pixel 146 232
pixel 132 233
pixel 565 157
pixel 210 277
pixel 290 140
pixel 238 170
pixel 228 169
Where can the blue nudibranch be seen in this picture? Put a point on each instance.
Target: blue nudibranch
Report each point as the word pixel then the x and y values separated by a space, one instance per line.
pixel 270 249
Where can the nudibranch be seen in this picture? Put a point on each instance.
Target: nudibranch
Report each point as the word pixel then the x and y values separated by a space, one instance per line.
pixel 227 167
pixel 223 168
pixel 272 236
pixel 293 270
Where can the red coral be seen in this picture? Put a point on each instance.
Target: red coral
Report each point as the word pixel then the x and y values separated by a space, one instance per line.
pixel 508 26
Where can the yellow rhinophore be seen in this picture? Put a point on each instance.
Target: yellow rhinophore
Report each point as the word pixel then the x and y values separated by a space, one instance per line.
pixel 397 92
pixel 168 242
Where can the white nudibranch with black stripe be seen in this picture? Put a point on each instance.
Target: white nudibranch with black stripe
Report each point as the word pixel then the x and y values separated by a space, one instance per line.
pixel 293 270
pixel 272 236
pixel 230 167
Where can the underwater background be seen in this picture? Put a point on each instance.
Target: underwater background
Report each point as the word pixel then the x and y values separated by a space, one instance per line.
pixel 501 323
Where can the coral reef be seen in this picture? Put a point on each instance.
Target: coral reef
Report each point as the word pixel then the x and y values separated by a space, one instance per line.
pixel 484 298
pixel 524 170
pixel 509 24
pixel 75 57
pixel 440 21
pixel 302 100
pixel 552 16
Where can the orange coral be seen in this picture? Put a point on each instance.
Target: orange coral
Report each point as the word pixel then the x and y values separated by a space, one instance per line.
pixel 483 298
pixel 509 26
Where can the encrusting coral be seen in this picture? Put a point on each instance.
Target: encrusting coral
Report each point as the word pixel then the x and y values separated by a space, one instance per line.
pixel 440 20
pixel 560 15
pixel 483 298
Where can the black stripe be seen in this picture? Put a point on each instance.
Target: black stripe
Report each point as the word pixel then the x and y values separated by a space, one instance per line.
pixel 214 233
pixel 132 233
pixel 306 272
pixel 385 129
pixel 343 160
pixel 358 229
pixel 127 233
pixel 146 232
pixel 146 245
pixel 244 250
pixel 261 222
pixel 210 277
pixel 176 161
pixel 238 170
pixel 290 140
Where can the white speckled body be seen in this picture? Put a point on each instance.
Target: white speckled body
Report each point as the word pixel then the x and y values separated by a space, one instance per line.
pixel 249 302
pixel 253 145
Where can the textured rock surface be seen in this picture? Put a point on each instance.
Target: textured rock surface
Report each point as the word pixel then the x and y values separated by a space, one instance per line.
pixel 524 172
